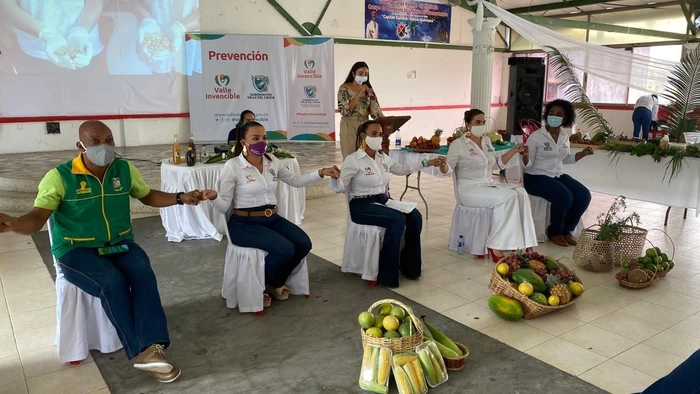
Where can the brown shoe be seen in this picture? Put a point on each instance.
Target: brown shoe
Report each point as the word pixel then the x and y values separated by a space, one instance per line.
pixel 570 240
pixel 167 377
pixel 559 240
pixel 153 360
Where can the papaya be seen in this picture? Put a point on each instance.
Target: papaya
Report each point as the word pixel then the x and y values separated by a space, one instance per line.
pixel 551 263
pixel 505 307
pixel 527 275
pixel 215 159
pixel 539 298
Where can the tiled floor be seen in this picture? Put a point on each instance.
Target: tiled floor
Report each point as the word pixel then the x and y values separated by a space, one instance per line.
pixel 617 339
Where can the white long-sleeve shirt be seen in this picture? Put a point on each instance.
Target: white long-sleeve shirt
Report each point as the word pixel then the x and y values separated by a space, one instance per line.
pixel 363 176
pixel 242 186
pixel 546 157
pixel 474 165
pixel 649 103
pixel 372 30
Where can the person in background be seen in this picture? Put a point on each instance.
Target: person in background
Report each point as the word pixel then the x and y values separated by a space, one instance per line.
pixel 64 33
pixel 372 30
pixel 473 159
pixel 682 380
pixel 365 175
pixel 646 111
pixel 356 102
pixel 246 116
pixel 168 21
pixel 247 190
pixel 547 151
pixel 122 279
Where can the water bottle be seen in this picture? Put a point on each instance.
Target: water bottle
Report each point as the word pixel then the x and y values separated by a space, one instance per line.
pixel 460 245
pixel 397 135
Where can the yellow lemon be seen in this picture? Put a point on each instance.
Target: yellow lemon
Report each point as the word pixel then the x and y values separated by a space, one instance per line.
pixel 391 323
pixel 502 269
pixel 553 300
pixel 526 289
pixel 576 288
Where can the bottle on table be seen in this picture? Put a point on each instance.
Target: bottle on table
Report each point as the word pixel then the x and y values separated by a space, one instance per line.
pixel 191 157
pixel 176 152
pixel 460 245
pixel 397 135
pixel 193 146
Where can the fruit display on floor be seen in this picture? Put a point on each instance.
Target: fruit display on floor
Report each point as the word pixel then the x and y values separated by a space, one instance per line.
pixel 422 144
pixel 643 271
pixel 391 321
pixel 530 285
pixel 408 374
pixel 432 364
pixel 374 373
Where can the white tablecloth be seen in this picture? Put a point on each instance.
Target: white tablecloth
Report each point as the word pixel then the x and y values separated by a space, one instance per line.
pixel 639 178
pixel 183 222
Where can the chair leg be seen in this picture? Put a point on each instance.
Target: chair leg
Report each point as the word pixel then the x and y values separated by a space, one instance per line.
pixel 685 213
pixel 666 220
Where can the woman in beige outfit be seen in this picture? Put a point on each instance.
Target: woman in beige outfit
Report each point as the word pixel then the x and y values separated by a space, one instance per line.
pixel 356 102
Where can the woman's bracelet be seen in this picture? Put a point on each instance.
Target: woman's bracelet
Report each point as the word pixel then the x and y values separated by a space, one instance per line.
pixel 425 163
pixel 320 173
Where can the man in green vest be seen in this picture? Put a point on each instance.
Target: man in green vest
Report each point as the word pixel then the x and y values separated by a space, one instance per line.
pixel 88 200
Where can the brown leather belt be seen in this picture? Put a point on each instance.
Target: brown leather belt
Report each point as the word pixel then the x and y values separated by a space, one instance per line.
pixel 256 214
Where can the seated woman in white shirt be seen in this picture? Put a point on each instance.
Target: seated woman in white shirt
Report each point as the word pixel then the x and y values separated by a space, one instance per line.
pixel 473 159
pixel 548 149
pixel 247 188
pixel 365 174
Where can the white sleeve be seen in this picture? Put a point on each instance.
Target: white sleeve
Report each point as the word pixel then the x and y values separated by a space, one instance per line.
pixel 401 169
pixel 227 184
pixel 291 178
pixel 655 112
pixel 531 151
pixel 454 151
pixel 348 170
pixel 570 158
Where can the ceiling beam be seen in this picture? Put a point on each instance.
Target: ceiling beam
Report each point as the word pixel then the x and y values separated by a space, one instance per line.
pixel 556 6
pixel 689 17
pixel 567 23
pixel 622 9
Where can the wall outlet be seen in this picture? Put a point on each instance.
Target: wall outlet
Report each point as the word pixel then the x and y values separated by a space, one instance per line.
pixel 53 128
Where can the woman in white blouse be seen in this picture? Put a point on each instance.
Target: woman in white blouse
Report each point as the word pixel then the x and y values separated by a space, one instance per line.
pixel 473 159
pixel 365 175
pixel 247 190
pixel 548 151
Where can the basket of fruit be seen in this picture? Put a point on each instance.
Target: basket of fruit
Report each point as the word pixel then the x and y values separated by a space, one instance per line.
pixel 393 326
pixel 531 285
pixel 636 277
pixel 427 145
pixel 654 259
pixel 454 354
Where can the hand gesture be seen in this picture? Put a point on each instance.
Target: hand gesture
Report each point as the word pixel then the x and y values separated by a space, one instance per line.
pixel 333 172
pixel 363 90
pixel 191 198
pixel 519 148
pixel 56 49
pixel 80 38
pixel 438 161
pixel 148 26
pixel 7 223
pixel 588 151
pixel 209 194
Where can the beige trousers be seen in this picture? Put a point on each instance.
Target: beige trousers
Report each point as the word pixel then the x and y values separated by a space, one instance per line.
pixel 348 134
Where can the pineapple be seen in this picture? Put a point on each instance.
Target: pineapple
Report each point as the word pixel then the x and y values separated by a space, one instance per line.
pixel 436 139
pixel 535 265
pixel 557 287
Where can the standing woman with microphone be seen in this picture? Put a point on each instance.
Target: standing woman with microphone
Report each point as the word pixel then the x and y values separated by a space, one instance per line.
pixel 356 102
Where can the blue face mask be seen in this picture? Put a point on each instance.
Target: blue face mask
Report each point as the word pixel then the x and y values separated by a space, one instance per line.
pixel 554 121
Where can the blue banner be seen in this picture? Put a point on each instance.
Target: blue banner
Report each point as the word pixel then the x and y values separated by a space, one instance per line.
pixel 407 21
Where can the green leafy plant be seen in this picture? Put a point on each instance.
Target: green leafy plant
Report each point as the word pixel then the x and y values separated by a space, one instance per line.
pixel 612 224
pixel 573 91
pixel 683 93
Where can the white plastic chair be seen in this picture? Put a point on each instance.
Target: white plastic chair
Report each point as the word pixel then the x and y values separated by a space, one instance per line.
pixel 474 224
pixel 81 322
pixel 540 215
pixel 244 277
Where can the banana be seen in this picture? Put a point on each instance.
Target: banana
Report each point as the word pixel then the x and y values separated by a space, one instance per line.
pixel 438 336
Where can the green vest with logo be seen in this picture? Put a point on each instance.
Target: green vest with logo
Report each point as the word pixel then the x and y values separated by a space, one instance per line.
pixel 92 214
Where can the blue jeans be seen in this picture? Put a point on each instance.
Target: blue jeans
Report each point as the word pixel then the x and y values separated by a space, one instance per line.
pixel 641 118
pixel 391 258
pixel 285 243
pixel 569 200
pixel 126 285
pixel 682 380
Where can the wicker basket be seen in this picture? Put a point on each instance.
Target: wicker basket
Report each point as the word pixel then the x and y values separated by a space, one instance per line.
pixel 673 252
pixel 637 286
pixel 457 363
pixel 531 309
pixel 600 256
pixel 397 345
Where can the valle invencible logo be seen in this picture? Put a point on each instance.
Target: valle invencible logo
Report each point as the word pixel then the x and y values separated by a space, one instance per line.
pixel 309 71
pixel 222 91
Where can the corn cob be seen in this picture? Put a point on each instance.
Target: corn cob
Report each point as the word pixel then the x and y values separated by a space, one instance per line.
pixel 415 385
pixel 374 387
pixel 383 366
pixel 402 382
pixel 443 339
pixel 428 369
pixel 374 363
pixel 404 358
pixel 439 372
pixel 445 351
pixel 419 375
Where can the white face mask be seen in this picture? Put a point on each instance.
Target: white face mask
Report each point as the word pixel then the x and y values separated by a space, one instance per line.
pixel 478 131
pixel 360 79
pixel 374 143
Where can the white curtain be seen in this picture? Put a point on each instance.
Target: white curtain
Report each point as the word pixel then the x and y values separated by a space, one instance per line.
pixel 622 67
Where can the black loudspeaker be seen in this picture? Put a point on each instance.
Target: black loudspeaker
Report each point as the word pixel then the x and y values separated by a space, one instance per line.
pixel 525 92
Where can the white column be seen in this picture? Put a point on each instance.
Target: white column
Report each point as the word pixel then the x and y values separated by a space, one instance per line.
pixel 482 64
